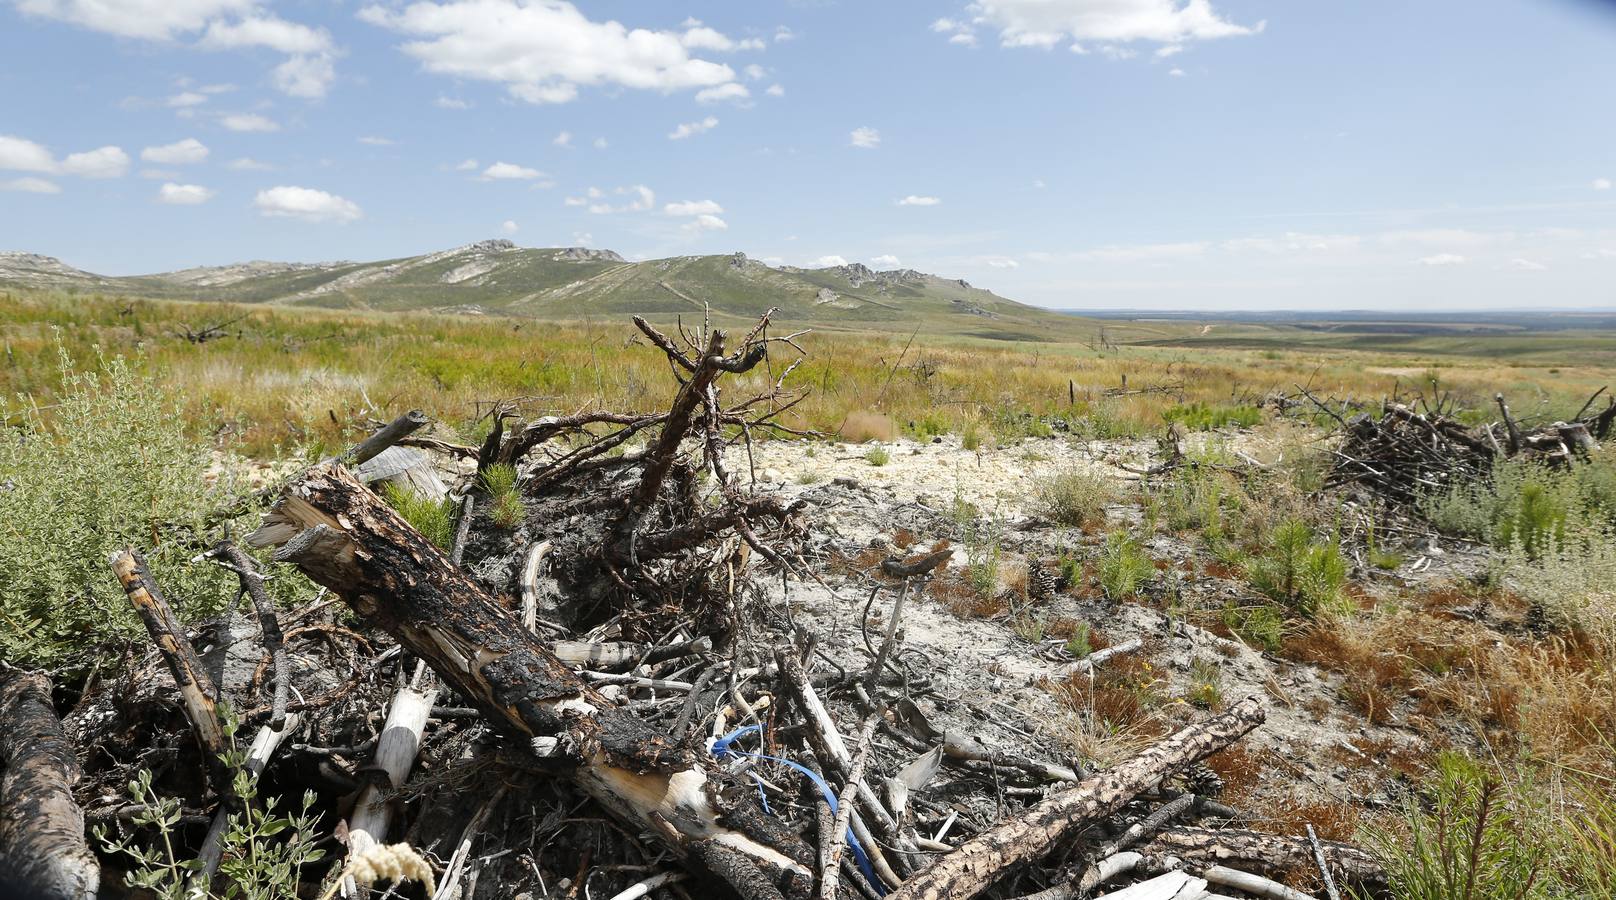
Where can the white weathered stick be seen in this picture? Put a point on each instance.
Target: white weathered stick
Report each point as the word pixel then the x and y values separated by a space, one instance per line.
pixel 1163 887
pixel 1087 663
pixel 641 888
pixel 1252 884
pixel 1324 867
pixel 395 755
pixel 450 884
pixel 530 584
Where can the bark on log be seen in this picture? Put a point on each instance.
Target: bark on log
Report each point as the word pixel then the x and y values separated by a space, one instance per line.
pixel 1269 854
pixel 42 847
pixel 342 536
pixel 978 863
pixel 197 692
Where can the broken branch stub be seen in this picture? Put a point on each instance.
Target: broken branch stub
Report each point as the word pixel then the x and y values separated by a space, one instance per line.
pixel 341 535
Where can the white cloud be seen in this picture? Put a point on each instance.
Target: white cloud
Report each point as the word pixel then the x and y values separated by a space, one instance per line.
pixel 705 222
pixel 732 91
pixel 755 72
pixel 963 39
pixel 693 208
pixel 783 34
pixel 886 259
pixel 913 200
pixel 466 165
pixel 249 122
pixel 1133 253
pixel 1442 259
pixel 865 137
pixel 25 155
pixel 1046 23
pixel 248 164
pixel 700 37
pixel 30 186
pixel 307 204
pixel 600 143
pixel 450 103
pixel 1602 184
pixel 1001 262
pixel 690 128
pixel 377 141
pixel 775 90
pixel 1526 265
pixel 183 194
pixel 105 162
pixel 583 239
pixel 509 226
pixel 828 261
pixel 1176 72
pixel 1169 50
pixel 179 153
pixel 564 139
pixel 510 171
pixel 544 52
pixel 223 24
pixel 641 198
pixel 187 99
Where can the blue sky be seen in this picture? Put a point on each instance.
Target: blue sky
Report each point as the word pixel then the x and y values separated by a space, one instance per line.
pixel 1418 154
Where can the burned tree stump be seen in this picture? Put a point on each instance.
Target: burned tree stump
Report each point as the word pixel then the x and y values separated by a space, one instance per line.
pixel 42 847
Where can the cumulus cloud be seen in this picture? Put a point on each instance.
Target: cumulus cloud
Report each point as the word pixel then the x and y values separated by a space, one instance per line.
pixel 179 153
pixel 307 204
pixel 248 164
pixel 732 91
pixel 886 259
pixel 187 99
pixel 249 122
pixel 1176 72
pixel 865 137
pixel 914 200
pixel 775 90
pixel 1442 259
pixel 30 185
pixel 1526 265
pixel 705 222
pixel 504 171
pixel 783 34
pixel 828 261
pixel 1602 184
pixel 450 103
pixel 640 199
pixel 545 52
pixel 183 194
pixel 692 128
pixel 20 154
pixel 221 24
pixel 466 165
pixel 693 208
pixel 377 141
pixel 600 143
pixel 509 226
pixel 1001 262
pixel 564 139
pixel 1045 24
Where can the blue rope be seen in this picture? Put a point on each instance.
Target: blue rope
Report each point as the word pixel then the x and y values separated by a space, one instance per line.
pixel 722 748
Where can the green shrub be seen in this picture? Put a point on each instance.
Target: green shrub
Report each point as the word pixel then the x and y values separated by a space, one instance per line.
pixel 1206 684
pixel 506 508
pixel 982 540
pixel 1124 567
pixel 1304 574
pixel 1200 416
pixel 433 517
pixel 109 466
pixel 877 456
pixel 1075 498
pixel 1263 624
pixel 971 437
pixel 1080 644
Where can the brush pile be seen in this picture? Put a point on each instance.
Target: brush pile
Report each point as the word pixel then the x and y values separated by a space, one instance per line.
pixel 1413 450
pixel 599 691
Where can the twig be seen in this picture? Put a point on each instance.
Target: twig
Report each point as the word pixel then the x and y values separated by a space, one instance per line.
pixel 1318 850
pixel 830 858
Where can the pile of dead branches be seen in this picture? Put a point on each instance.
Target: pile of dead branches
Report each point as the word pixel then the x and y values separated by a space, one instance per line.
pixel 600 700
pixel 1413 450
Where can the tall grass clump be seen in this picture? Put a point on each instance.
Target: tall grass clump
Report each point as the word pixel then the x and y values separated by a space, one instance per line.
pixel 108 465
pixel 1075 498
pixel 506 508
pixel 432 516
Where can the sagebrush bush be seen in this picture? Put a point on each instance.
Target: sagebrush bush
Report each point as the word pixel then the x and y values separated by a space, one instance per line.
pixel 1075 498
pixel 109 465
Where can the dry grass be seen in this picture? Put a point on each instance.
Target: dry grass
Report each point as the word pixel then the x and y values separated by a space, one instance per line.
pixel 862 426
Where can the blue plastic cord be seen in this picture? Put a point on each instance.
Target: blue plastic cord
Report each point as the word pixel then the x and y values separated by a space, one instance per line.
pixel 722 748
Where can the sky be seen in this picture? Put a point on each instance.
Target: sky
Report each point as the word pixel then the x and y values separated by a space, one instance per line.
pixel 1150 154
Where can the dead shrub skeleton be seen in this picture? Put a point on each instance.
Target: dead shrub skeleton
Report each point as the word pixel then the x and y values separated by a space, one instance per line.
pixel 638 560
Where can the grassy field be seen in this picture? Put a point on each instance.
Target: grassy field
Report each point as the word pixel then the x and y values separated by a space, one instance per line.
pixel 284 378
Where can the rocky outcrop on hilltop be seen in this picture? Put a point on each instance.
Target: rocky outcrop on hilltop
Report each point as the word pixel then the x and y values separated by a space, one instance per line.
pixel 587 254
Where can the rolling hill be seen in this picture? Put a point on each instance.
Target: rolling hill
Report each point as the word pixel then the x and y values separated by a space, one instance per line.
pixel 496 277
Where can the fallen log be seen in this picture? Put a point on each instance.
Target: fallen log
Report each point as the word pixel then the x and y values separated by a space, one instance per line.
pixel 978 863
pixel 342 536
pixel 1268 854
pixel 43 853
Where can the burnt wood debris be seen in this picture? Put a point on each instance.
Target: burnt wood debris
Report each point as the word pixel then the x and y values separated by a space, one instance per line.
pixel 611 697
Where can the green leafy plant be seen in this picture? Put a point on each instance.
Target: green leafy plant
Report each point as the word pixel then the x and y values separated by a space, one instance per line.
pixel 264 850
pixel 108 465
pixel 877 456
pixel 971 437
pixel 506 507
pixel 1124 566
pixel 1080 644
pixel 1206 684
pixel 1262 624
